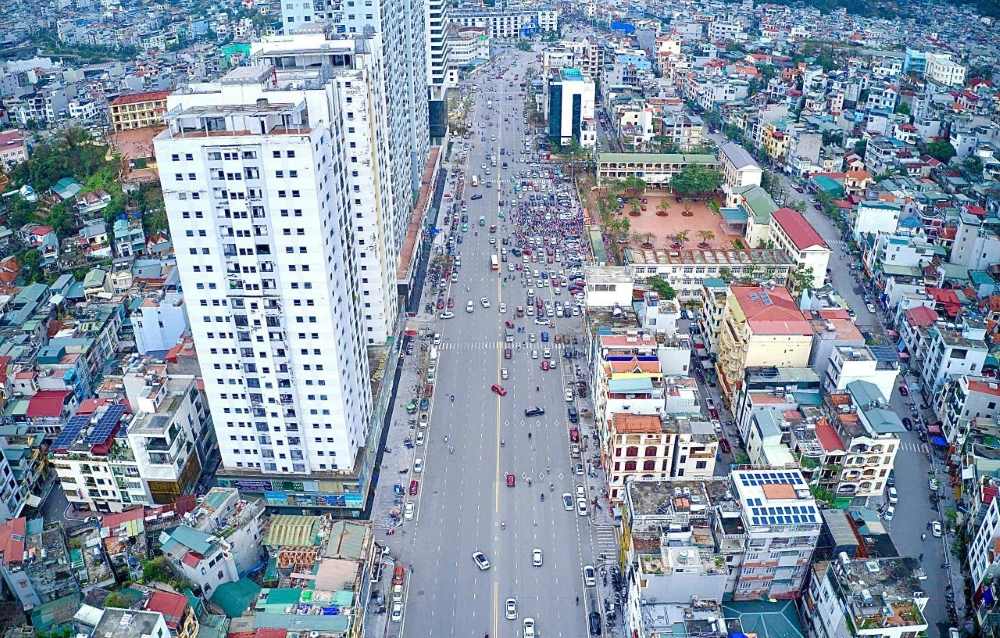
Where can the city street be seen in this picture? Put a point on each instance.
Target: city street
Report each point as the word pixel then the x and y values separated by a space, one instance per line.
pixel 464 503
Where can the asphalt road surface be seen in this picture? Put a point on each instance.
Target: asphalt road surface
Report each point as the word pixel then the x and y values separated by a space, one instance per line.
pixel 464 503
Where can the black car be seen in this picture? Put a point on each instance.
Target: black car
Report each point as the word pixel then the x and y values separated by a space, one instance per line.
pixel 595 624
pixel 535 411
pixel 574 416
pixel 477 196
pixel 907 423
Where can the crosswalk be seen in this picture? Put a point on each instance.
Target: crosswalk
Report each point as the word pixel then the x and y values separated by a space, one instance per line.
pixel 914 446
pixel 605 541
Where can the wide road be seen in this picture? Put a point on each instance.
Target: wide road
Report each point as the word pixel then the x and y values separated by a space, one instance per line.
pixel 464 500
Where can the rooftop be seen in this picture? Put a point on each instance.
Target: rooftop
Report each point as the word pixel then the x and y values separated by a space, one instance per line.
pixel 669 498
pixel 798 229
pixel 881 593
pixel 656 158
pixel 126 623
pixel 771 311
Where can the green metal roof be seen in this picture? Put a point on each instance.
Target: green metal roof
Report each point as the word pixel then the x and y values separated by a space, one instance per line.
pixel 760 204
pixel 235 598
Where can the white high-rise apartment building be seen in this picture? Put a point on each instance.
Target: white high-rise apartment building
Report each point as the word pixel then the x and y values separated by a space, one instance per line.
pixel 401 24
pixel 256 175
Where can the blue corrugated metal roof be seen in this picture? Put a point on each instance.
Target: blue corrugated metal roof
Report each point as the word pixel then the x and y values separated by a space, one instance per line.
pixel 642 384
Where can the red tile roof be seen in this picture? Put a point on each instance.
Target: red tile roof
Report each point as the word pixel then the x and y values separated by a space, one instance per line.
pixel 135 98
pixel 771 311
pixel 624 423
pixel 798 228
pixel 985 387
pixel 170 604
pixel 191 559
pixel 111 521
pixel 828 437
pixel 12 541
pixel 922 316
pixel 47 403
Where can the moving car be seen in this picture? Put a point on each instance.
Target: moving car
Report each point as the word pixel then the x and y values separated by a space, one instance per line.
pixel 419 439
pixel 503 308
pixel 507 353
pixel 536 557
pixel 589 576
pixel 534 354
pixel 568 395
pixel 567 500
pixel 511 480
pixel 469 307
pixel 504 374
pixel 535 411
pixel 418 465
pixel 498 389
pixel 485 302
pixel 408 511
pixel 447 314
pixel 581 506
pixel 529 628
pixel 414 487
pixel 481 561
pixel 510 609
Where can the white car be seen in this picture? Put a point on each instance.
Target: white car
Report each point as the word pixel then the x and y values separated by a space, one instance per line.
pixel 936 529
pixel 547 353
pixel 502 308
pixel 529 628
pixel 408 512
pixel 890 513
pixel 893 496
pixel 567 500
pixel 871 307
pixel 589 576
pixel 469 307
pixel 481 561
pixel 447 314
pixel 420 438
pixel 569 396
pixel 510 609
pixel 534 354
pixel 397 612
pixel 485 302
pixel 536 557
pixel 581 506
pixel 580 492
pixel 418 465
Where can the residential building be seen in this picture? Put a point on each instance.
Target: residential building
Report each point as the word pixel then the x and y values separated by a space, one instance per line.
pixel 739 170
pixel 13 149
pixel 468 47
pixel 570 109
pixel 627 379
pixel 437 56
pixel 943 70
pixel 875 217
pixel 177 613
pixel 94 461
pixel 130 239
pixel 656 447
pixel 204 559
pixel 34 562
pixel 307 325
pixel 138 110
pixel 714 298
pixel 131 623
pixel 962 400
pixel 761 327
pixel 167 431
pixel 159 321
pixel 781 526
pixel 775 389
pixel 849 363
pixel 877 596
pixel 223 513
pixel 508 22
pixel 953 352
pixel 792 232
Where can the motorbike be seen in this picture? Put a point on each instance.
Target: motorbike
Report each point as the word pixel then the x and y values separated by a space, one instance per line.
pixel 542 496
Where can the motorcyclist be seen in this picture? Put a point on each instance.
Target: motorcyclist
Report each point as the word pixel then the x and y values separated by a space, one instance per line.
pixel 529 435
pixel 542 495
pixel 537 388
pixel 578 601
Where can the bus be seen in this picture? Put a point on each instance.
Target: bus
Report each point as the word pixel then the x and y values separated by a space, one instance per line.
pixel 494 263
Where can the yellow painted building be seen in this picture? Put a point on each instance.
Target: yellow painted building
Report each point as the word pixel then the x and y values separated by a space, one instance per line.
pixel 775 141
pixel 138 110
pixel 761 327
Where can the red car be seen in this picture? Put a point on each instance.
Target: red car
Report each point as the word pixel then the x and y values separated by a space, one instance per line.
pixel 451 302
pixel 725 447
pixel 440 304
pixel 905 391
pixel 414 487
pixel 511 480
pixel 507 353
pixel 574 435
pixel 498 389
pixel 546 365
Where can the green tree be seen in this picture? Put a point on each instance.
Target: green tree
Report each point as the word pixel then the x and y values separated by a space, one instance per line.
pixel 523 45
pixel 696 180
pixel 903 108
pixel 860 147
pixel 634 185
pixel 156 570
pixel 60 219
pixel 941 150
pixel 681 237
pixel 706 236
pixel 801 278
pixel 114 599
pixel 662 287
pixel 973 166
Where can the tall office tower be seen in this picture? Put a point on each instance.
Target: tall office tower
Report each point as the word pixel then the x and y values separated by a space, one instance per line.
pixel 438 54
pixel 401 26
pixel 258 174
